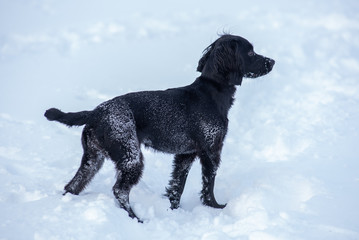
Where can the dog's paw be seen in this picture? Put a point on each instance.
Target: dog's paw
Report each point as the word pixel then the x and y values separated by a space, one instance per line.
pixel 211 202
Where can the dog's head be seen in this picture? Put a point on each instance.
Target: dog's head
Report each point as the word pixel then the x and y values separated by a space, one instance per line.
pixel 230 58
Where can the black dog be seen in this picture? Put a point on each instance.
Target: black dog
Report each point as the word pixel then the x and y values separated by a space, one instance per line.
pixel 189 122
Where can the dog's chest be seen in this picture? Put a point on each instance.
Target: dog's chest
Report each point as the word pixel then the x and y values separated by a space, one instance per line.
pixel 213 132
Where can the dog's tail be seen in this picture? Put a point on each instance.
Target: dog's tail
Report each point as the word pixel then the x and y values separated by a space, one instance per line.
pixel 70 119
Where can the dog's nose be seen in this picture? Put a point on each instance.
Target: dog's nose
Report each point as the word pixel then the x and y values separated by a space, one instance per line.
pixel 271 62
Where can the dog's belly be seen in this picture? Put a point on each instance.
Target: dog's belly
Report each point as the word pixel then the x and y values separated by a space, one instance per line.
pixel 175 144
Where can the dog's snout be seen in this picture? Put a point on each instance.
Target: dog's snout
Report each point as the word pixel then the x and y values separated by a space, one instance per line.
pixel 271 62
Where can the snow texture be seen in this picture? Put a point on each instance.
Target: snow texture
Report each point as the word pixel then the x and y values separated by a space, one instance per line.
pixel 289 169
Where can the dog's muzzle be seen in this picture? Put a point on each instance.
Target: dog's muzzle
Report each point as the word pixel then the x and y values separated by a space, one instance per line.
pixel 269 63
pixel 262 67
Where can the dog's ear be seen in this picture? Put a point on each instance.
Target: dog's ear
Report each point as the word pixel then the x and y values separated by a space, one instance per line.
pixel 209 65
pixel 222 62
pixel 230 61
pixel 206 53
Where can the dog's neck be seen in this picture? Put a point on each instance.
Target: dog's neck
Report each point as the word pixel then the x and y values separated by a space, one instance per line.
pixel 223 94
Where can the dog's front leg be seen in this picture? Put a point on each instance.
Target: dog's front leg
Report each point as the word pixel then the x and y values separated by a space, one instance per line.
pixel 181 166
pixel 210 164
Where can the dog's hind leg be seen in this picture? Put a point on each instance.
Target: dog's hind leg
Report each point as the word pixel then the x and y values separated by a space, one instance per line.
pixel 210 163
pixel 181 166
pixel 92 160
pixel 122 145
pixel 129 164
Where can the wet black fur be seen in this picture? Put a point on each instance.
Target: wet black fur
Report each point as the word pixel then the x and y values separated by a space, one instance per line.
pixel 190 122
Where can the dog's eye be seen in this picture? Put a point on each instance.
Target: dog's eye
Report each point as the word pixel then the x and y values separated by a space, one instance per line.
pixel 251 53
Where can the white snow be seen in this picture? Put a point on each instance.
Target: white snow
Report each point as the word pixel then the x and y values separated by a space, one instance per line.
pixel 290 164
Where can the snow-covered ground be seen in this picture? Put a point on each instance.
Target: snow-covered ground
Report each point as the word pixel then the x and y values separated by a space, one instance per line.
pixel 290 165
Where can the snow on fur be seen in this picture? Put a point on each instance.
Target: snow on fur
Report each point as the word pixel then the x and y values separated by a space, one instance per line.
pixel 289 165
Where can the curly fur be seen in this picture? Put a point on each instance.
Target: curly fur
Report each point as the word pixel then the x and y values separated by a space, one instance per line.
pixel 190 122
